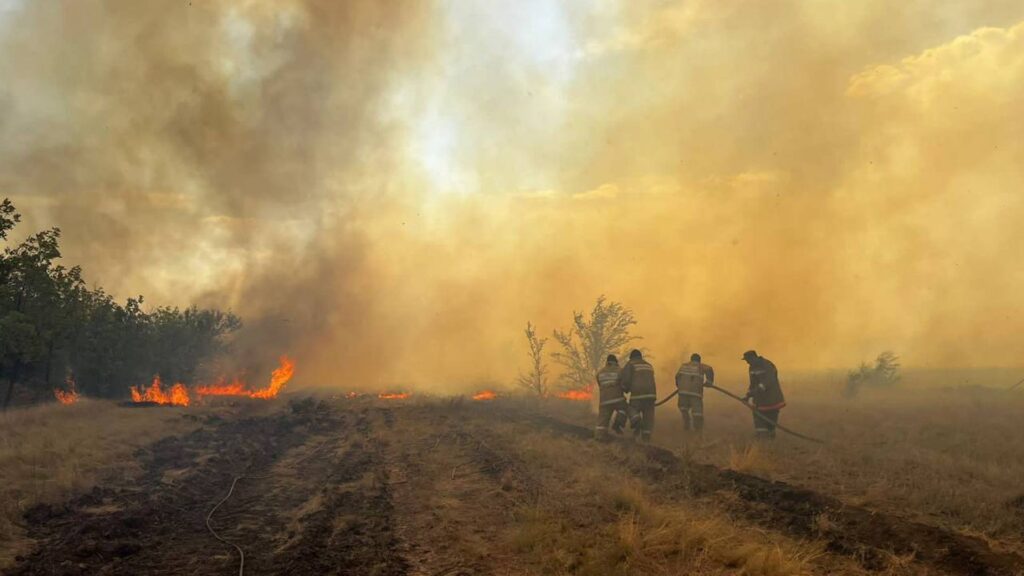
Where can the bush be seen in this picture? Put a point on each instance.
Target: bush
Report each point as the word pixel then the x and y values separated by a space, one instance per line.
pixel 884 374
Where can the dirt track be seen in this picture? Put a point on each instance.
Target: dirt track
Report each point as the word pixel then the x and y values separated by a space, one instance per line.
pixel 362 488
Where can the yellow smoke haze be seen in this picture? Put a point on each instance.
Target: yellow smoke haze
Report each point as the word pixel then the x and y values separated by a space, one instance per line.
pixel 390 190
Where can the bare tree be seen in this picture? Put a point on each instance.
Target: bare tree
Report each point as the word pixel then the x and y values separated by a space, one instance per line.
pixel 885 373
pixel 536 380
pixel 586 344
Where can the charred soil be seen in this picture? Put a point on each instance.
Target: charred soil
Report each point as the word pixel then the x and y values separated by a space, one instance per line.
pixel 371 487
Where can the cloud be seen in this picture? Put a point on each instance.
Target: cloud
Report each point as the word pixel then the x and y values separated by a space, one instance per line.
pixel 605 191
pixel 986 62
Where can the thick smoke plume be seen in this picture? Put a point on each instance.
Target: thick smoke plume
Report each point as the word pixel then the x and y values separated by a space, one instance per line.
pixel 390 190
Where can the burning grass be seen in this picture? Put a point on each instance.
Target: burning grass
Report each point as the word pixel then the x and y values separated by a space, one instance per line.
pixel 278 378
pixel 50 452
pixel 394 395
pixel 176 396
pixel 69 395
pixel 581 395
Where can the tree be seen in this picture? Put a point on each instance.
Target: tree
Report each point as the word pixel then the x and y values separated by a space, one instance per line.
pixel 9 217
pixel 589 341
pixel 52 323
pixel 536 380
pixel 885 373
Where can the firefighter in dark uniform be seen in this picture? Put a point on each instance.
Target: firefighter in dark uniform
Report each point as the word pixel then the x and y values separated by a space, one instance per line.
pixel 691 378
pixel 612 408
pixel 765 392
pixel 637 378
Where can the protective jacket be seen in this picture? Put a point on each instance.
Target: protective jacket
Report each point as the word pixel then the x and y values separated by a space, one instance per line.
pixel 692 377
pixel 637 378
pixel 764 385
pixel 608 384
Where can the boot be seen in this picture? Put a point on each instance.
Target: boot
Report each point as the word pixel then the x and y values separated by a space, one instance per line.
pixel 636 423
pixel 618 421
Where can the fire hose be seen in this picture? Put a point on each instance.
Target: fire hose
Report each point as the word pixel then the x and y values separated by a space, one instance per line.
pixel 234 482
pixel 753 410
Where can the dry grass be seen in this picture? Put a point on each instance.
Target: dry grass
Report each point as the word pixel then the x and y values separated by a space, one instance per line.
pixel 750 459
pixel 50 452
pixel 952 457
pixel 598 519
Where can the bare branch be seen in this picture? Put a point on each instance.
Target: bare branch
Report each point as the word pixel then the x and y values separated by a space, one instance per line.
pixel 536 380
pixel 590 339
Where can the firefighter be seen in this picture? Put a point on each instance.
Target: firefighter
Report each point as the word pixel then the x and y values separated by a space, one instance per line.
pixel 612 407
pixel 637 378
pixel 765 392
pixel 691 378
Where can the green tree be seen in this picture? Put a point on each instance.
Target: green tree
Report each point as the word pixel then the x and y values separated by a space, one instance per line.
pixel 52 323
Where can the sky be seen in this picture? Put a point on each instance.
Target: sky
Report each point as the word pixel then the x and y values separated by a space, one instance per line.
pixel 390 191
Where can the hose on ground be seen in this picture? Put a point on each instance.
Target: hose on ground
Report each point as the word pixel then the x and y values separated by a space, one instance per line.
pixel 241 553
pixel 753 410
pixel 757 414
pixel 231 490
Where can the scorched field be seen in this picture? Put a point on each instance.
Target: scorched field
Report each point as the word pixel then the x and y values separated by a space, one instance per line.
pixel 394 486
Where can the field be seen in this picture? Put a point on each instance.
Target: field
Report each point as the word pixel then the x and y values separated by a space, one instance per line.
pixel 907 483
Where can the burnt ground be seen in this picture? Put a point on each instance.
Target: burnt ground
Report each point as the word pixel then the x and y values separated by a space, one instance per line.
pixel 360 487
pixel 872 538
pixel 311 501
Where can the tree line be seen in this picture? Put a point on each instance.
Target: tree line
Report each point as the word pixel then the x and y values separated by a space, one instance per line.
pixel 55 328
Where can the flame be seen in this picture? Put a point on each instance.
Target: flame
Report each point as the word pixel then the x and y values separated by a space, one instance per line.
pixel 68 397
pixel 222 388
pixel 581 395
pixel 393 395
pixel 177 396
pixel 278 378
pixel 485 395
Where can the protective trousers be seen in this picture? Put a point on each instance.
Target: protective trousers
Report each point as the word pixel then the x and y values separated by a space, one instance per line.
pixel 765 427
pixel 612 414
pixel 692 409
pixel 641 417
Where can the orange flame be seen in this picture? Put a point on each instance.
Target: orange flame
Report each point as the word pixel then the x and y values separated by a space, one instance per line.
pixel 278 378
pixel 485 395
pixel 393 395
pixel 581 395
pixel 177 396
pixel 68 397
pixel 222 388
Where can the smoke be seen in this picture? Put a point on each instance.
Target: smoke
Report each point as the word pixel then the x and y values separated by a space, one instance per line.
pixel 389 191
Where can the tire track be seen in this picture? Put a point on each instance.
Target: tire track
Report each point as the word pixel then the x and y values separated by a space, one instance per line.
pixel 455 492
pixel 303 512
